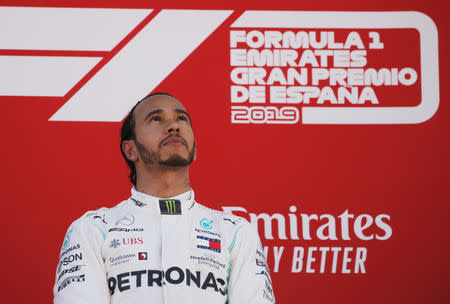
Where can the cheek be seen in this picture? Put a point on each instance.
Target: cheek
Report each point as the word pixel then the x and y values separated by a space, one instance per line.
pixel 190 138
pixel 147 138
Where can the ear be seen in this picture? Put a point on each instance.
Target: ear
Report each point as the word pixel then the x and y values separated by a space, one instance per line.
pixel 129 148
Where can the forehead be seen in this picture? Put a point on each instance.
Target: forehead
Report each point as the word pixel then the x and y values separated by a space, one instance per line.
pixel 157 102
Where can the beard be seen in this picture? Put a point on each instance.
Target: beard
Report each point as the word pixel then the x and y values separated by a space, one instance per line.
pixel 174 160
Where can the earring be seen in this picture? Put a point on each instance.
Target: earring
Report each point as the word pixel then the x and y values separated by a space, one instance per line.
pixel 133 157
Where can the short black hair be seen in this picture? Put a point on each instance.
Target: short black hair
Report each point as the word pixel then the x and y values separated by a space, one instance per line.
pixel 128 131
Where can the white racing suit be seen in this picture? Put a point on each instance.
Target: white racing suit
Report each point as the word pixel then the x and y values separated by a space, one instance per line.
pixel 151 250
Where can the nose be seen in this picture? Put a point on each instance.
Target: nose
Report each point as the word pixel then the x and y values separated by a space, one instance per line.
pixel 173 127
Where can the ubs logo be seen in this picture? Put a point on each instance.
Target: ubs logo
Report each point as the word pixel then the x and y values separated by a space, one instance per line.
pixel 133 241
pixel 126 241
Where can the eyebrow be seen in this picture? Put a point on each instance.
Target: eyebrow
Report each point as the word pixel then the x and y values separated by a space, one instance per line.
pixel 159 111
pixel 183 112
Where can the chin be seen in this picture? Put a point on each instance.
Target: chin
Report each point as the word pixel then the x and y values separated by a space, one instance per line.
pixel 175 160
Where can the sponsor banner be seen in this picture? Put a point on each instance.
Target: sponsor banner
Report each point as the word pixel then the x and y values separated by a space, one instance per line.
pixel 327 230
pixel 308 67
pixel 173 275
pixel 333 68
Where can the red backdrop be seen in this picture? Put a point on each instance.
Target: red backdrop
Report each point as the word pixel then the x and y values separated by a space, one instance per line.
pixel 55 170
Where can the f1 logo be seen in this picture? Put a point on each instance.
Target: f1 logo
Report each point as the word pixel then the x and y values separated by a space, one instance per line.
pixel 84 37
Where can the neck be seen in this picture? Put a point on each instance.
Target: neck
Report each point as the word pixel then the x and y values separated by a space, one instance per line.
pixel 163 181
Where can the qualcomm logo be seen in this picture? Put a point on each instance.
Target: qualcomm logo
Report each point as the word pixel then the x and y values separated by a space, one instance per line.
pixel 109 58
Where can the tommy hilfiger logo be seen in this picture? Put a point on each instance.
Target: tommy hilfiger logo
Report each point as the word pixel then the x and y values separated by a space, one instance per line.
pixel 204 242
pixel 170 206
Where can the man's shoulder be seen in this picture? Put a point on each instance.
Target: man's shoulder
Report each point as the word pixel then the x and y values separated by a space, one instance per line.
pixel 104 217
pixel 228 219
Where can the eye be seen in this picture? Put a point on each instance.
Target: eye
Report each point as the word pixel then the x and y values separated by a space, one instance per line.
pixel 182 117
pixel 155 118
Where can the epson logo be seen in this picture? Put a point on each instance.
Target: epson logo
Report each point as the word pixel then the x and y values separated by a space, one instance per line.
pixel 69 259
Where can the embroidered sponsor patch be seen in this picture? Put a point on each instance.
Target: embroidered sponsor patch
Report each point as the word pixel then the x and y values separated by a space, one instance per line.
pixel 170 206
pixel 206 223
pixel 204 242
pixel 137 202
pixel 68 280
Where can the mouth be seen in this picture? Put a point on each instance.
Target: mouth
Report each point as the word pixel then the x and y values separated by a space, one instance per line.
pixel 174 140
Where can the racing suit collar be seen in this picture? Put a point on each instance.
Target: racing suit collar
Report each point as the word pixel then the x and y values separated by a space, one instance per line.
pixel 158 205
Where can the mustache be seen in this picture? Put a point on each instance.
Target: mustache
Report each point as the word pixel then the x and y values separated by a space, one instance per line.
pixel 161 143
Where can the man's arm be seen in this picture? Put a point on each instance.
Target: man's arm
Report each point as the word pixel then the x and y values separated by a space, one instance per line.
pixel 249 281
pixel 80 275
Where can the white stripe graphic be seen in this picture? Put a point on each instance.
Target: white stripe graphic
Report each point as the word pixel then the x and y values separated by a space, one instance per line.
pixel 42 76
pixel 360 20
pixel 141 65
pixel 202 242
pixel 72 29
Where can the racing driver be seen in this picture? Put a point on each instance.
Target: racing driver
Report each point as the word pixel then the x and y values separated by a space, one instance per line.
pixel 160 245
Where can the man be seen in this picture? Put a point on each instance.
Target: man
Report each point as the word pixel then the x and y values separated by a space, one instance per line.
pixel 160 245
